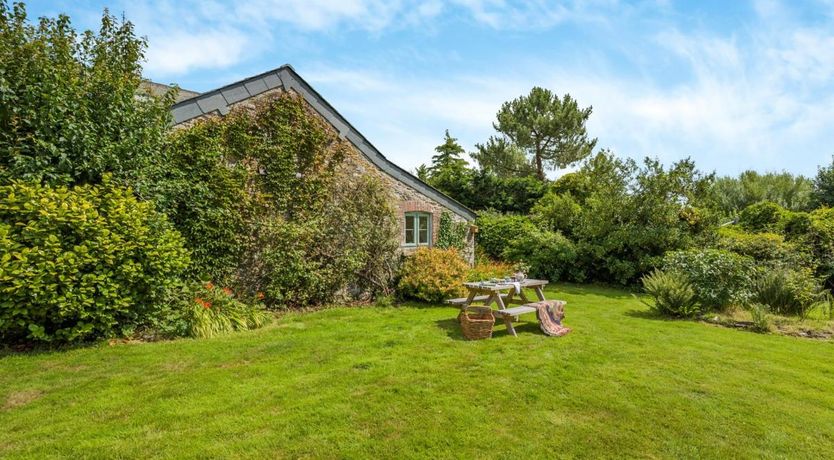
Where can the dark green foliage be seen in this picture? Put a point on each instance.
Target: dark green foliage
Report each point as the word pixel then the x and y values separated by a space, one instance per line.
pixel 789 291
pixel 823 193
pixel 719 278
pixel 266 199
pixel 631 216
pixel 549 255
pixel 507 194
pixel 764 216
pixel 500 157
pixel 82 263
pixel 68 106
pixel 451 234
pixel 495 231
pixel 671 292
pixel 730 194
pixel 557 212
pixel 549 129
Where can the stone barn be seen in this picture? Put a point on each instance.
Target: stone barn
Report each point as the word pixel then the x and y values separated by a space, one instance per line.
pixel 419 205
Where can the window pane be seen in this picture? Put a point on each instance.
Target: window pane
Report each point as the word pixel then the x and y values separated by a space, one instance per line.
pixel 409 229
pixel 424 236
pixel 424 229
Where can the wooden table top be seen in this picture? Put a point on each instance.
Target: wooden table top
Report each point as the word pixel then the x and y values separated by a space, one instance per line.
pixel 501 286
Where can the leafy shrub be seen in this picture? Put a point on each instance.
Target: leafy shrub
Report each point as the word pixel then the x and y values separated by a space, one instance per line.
pixel 214 311
pixel 631 215
pixel 451 234
pixel 68 106
pixel 486 270
pixel 548 254
pixel 788 292
pixel 433 275
pixel 557 212
pixel 495 231
pixel 672 293
pixel 763 216
pixel 768 248
pixel 81 263
pixel 719 278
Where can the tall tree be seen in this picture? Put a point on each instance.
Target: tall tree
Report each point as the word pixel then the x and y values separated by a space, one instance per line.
pixel 448 171
pixel 549 129
pixel 69 110
pixel 823 194
pixel 448 156
pixel 502 158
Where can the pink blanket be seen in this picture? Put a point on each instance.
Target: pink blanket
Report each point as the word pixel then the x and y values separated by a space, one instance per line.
pixel 550 314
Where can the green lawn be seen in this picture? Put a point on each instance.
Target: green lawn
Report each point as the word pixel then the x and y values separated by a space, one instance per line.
pixel 400 382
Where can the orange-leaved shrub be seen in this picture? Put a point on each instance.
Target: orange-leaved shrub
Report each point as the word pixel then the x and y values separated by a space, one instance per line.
pixel 433 275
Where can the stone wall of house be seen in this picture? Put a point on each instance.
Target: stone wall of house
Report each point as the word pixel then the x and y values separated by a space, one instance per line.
pixel 407 199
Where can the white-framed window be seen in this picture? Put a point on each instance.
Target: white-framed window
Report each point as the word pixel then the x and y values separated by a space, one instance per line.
pixel 417 229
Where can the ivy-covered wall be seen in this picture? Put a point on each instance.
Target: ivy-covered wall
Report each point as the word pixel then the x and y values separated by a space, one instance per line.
pixel 406 198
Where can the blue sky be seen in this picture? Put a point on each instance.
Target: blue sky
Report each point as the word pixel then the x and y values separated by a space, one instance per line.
pixel 734 85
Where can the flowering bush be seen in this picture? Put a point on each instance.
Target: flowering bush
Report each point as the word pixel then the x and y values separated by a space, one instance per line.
pixel 214 311
pixel 432 274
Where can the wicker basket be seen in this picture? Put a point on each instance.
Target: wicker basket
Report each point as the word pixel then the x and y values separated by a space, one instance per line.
pixel 476 322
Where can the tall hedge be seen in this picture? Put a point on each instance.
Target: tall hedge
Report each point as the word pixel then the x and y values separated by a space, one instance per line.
pixel 81 263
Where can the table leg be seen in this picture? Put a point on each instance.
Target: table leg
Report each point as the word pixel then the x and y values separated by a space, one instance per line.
pixel 508 320
pixel 469 299
pixel 539 293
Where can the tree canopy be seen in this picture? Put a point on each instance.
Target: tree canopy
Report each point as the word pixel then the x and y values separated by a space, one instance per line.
pixel 549 129
pixel 69 111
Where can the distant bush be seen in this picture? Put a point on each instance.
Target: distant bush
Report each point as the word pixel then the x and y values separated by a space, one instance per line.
pixel 768 248
pixel 719 278
pixel 433 275
pixel 82 263
pixel 672 293
pixel 557 212
pixel 549 254
pixel 764 216
pixel 486 270
pixel 495 231
pixel 788 292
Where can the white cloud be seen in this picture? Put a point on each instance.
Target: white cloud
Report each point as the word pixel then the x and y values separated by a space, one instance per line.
pixel 182 52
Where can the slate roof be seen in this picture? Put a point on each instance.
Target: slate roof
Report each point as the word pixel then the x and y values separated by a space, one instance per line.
pixel 285 77
pixel 158 89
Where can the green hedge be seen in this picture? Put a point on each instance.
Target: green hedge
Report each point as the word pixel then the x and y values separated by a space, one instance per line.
pixel 81 263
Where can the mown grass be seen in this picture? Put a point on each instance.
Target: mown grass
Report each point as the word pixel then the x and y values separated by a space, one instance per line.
pixel 400 382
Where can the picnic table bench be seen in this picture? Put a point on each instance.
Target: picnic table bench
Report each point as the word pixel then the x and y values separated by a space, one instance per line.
pixel 497 292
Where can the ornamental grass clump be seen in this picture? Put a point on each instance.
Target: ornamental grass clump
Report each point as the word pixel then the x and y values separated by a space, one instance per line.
pixel 671 292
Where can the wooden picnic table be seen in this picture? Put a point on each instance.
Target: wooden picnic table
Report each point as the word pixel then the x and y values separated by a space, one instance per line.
pixel 497 292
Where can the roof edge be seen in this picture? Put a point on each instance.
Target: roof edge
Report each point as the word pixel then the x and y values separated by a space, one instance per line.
pixel 219 100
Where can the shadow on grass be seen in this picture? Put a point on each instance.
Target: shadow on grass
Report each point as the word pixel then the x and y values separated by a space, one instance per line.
pixel 452 328
pixel 649 314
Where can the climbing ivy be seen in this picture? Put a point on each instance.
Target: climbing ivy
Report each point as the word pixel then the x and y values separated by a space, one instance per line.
pixel 451 234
